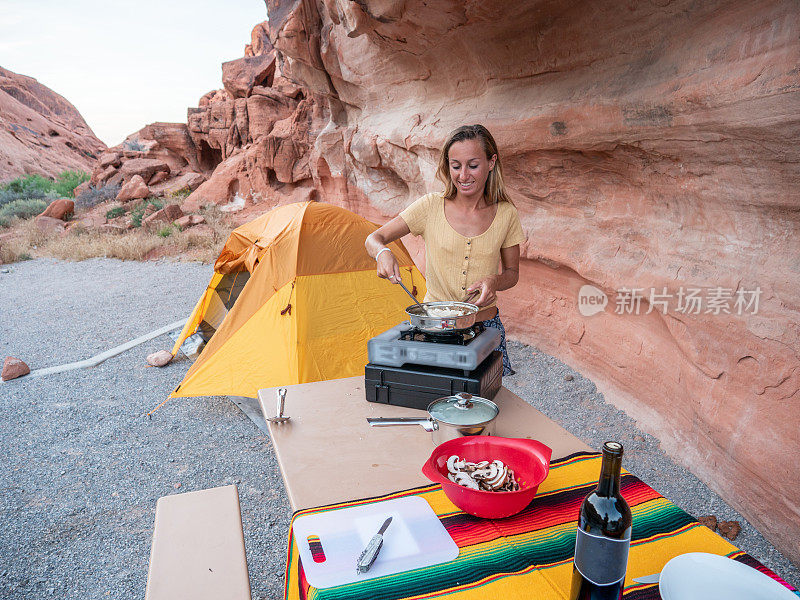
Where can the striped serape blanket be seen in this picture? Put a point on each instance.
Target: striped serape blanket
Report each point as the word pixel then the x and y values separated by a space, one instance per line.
pixel 530 554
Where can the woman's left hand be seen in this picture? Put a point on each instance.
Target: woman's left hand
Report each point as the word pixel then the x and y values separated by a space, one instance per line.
pixel 487 288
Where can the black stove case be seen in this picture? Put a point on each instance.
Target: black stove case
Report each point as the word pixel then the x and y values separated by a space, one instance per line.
pixel 416 386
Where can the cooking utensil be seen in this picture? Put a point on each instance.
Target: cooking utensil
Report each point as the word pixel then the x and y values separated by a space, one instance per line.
pixel 370 553
pixel 279 416
pixel 416 539
pixel 648 578
pixel 420 317
pixel 462 415
pixel 700 576
pixel 529 459
pixel 413 297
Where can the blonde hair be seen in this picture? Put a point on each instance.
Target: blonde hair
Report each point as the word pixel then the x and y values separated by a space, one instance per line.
pixel 495 189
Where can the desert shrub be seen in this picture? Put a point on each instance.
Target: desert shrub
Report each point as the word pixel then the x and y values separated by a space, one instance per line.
pixel 180 195
pixel 115 212
pixel 95 195
pixel 67 181
pixel 7 196
pixel 27 186
pixel 137 213
pixel 133 145
pixel 24 208
pixel 165 231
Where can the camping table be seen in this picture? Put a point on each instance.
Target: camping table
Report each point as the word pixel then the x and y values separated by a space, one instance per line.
pixel 327 453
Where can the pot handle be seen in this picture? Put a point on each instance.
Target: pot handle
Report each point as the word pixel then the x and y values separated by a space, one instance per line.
pixel 427 424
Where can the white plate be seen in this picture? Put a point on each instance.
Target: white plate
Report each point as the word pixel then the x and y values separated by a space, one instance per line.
pixel 702 576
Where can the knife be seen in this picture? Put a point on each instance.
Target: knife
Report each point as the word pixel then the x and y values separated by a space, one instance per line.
pixel 370 553
pixel 654 578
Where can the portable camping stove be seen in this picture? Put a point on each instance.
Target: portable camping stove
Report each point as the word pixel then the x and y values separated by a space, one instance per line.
pixel 411 368
pixel 463 349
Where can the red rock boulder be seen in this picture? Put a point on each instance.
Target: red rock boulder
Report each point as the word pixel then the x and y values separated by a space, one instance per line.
pixel 187 221
pixel 48 225
pixel 135 188
pixel 160 358
pixel 13 368
pixel 168 214
pixel 101 175
pixel 159 177
pixel 144 167
pixel 61 209
pixel 109 159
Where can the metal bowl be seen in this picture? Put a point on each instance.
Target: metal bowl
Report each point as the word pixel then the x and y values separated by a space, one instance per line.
pixel 435 325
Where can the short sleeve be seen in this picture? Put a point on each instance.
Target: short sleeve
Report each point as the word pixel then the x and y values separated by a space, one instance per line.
pixel 416 215
pixel 514 235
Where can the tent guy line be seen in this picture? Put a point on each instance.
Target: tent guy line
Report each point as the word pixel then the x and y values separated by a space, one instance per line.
pixel 97 359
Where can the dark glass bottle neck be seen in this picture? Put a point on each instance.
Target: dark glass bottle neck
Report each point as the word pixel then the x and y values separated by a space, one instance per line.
pixel 609 475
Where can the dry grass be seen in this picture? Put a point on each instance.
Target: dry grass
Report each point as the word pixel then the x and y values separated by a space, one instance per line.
pixel 78 243
pixel 22 246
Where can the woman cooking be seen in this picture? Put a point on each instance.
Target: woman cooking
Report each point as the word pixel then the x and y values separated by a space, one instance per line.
pixel 470 230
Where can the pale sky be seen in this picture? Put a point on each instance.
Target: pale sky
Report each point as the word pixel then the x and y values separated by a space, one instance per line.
pixel 126 64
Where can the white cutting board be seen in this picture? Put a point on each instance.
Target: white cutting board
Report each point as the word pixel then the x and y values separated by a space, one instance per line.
pixel 415 538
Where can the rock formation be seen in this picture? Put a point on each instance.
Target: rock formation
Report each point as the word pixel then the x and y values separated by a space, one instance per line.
pixel 40 132
pixel 661 154
pixel 648 146
pixel 243 144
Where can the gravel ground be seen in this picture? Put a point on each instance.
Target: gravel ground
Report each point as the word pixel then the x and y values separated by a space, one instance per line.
pixel 85 466
pixel 78 488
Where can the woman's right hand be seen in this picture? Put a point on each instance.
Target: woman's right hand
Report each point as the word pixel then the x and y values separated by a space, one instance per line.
pixel 376 244
pixel 388 267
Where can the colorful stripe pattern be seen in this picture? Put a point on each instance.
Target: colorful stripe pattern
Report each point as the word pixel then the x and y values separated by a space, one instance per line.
pixel 530 554
pixel 315 546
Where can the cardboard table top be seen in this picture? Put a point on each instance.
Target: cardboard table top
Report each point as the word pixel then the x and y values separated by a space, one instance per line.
pixel 328 453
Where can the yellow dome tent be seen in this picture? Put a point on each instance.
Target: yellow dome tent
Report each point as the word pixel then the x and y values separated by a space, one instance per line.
pixel 293 299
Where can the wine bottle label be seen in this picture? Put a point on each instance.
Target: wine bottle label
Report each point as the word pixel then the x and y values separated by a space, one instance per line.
pixel 602 560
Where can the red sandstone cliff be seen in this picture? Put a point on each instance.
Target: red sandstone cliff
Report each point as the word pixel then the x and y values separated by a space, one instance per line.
pixel 40 131
pixel 647 145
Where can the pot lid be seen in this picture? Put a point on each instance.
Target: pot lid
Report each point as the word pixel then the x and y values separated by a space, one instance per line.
pixel 463 409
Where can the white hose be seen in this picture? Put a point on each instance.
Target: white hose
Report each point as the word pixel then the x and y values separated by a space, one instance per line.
pixel 96 360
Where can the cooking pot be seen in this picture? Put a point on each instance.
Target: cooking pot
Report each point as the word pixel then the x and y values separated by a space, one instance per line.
pixel 452 417
pixel 422 319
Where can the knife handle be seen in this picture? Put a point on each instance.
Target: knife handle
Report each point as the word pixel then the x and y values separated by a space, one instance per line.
pixel 369 554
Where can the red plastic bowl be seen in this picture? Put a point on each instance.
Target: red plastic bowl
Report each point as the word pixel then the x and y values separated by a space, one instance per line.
pixel 529 459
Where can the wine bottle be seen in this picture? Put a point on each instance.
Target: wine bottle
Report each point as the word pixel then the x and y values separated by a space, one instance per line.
pixel 604 535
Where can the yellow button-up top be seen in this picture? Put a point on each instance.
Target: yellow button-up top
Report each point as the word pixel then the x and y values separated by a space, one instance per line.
pixel 453 262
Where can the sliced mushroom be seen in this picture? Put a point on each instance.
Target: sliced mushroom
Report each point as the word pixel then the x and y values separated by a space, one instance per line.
pixel 499 478
pixel 484 475
pixel 467 481
pixel 455 464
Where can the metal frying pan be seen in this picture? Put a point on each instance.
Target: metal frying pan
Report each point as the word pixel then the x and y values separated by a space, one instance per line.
pixel 423 316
